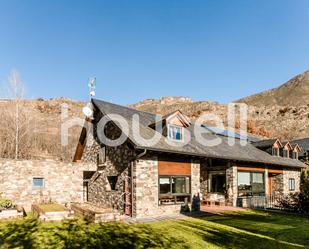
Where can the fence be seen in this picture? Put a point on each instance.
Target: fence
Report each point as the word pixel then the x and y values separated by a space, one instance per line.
pixel 278 202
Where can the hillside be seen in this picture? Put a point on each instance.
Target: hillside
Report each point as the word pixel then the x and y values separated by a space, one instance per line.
pixel 281 112
pixel 39 129
pixel 274 121
pixel 295 92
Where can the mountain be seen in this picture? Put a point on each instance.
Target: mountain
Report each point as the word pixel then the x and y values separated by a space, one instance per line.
pixel 295 92
pixel 280 112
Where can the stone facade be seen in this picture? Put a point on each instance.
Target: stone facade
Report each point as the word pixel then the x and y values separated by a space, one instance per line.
pixel 63 182
pixel 146 188
pixel 116 163
pixel 231 185
pixel 195 178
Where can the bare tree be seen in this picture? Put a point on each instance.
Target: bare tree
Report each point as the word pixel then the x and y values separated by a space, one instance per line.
pixel 18 90
pixel 16 121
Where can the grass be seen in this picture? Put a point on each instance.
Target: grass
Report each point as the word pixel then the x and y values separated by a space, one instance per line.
pixel 53 207
pixel 249 229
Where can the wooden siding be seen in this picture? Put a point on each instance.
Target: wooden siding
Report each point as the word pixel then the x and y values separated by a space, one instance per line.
pixel 174 168
pixel 250 169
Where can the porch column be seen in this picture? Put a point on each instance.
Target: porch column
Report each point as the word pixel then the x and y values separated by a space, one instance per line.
pixel 231 185
pixel 266 179
pixel 195 177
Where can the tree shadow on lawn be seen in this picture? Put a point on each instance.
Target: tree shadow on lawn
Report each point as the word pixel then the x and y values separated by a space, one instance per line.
pixel 289 228
pixel 229 237
pixel 79 234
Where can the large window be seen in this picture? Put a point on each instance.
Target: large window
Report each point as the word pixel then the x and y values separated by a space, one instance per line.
pixel 175 132
pixel 251 184
pixel 174 189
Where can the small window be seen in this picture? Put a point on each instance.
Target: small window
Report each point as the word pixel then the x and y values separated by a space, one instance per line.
pixel 175 132
pixel 101 156
pixel 291 184
pixel 112 180
pixel 275 151
pixel 285 153
pixel 38 182
pixel 295 155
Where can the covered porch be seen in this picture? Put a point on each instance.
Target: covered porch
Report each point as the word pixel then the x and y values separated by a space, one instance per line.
pixel 225 183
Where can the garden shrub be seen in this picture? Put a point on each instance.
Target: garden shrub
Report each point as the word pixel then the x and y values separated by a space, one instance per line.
pixel 5 203
pixel 304 191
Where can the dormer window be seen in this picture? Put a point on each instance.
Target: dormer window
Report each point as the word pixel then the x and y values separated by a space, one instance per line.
pixel 295 155
pixel 275 151
pixel 285 153
pixel 175 132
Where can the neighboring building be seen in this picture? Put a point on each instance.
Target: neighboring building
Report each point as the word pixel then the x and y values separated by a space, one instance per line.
pixel 144 179
pixel 304 153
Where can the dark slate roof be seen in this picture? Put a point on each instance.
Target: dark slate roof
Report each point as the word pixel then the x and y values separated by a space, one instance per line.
pixel 303 143
pixel 247 153
pixel 227 133
pixel 264 143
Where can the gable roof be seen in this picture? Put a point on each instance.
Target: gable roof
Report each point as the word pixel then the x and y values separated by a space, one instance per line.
pixel 184 120
pixel 303 143
pixel 266 143
pixel 247 153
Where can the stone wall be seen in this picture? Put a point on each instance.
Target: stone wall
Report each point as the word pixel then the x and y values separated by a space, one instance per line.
pixel 231 184
pixel 63 182
pixel 277 184
pixel 117 163
pixel 195 178
pixel 146 188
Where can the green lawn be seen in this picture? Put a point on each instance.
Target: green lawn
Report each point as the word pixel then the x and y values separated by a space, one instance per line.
pixel 249 229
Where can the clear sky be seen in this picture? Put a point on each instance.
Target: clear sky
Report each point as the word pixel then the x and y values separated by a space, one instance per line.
pixel 208 50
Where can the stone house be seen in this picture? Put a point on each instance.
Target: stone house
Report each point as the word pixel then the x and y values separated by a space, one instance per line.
pixel 161 164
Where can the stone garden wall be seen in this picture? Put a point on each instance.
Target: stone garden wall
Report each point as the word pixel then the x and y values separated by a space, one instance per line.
pixel 63 182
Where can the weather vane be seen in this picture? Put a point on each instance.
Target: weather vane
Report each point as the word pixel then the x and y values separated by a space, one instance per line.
pixel 92 85
pixel 88 109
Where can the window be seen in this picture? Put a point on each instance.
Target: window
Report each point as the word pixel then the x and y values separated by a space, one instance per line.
pixel 174 189
pixel 101 156
pixel 291 184
pixel 175 132
pixel 295 155
pixel 275 151
pixel 112 180
pixel 285 153
pixel 251 184
pixel 38 182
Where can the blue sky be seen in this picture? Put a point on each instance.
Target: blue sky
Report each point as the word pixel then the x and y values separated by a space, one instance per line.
pixel 208 50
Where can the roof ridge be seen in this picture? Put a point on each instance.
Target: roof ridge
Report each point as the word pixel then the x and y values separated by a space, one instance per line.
pixel 123 106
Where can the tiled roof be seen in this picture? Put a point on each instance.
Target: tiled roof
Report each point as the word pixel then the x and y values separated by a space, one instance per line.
pixel 303 143
pixel 247 153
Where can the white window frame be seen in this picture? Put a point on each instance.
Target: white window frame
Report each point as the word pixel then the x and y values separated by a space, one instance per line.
pixel 181 129
pixel 292 184
pixel 38 187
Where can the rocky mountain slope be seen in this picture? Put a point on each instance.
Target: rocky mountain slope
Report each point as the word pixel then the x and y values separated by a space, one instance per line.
pixel 281 112
pixel 295 92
